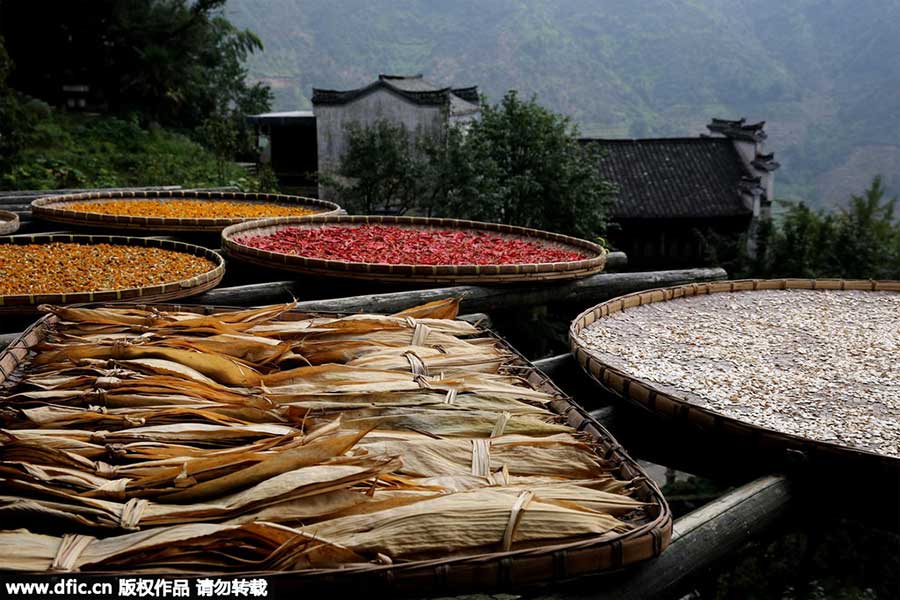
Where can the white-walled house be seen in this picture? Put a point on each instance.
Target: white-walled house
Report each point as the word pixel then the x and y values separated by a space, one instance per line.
pixel 423 108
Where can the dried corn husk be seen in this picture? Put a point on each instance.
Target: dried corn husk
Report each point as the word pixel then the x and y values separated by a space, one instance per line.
pixel 197 547
pixel 430 527
pixel 259 439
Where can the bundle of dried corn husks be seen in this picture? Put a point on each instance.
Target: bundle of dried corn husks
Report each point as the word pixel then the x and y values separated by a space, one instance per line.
pixel 261 439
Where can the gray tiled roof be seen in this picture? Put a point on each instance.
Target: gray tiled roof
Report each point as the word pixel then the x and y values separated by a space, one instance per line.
pixel 458 106
pixel 414 88
pixel 674 177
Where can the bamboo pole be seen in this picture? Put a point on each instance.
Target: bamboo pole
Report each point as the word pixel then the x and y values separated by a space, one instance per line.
pixel 475 298
pixel 554 366
pixel 699 539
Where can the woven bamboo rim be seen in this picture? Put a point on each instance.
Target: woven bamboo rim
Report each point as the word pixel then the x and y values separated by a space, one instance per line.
pixel 497 570
pixel 9 222
pixel 28 303
pixel 677 406
pixel 53 208
pixel 511 273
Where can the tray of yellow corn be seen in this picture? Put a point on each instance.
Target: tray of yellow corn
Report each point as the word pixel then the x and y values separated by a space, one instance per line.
pixel 170 211
pixel 69 269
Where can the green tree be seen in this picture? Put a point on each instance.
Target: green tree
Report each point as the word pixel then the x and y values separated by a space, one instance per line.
pixel 166 69
pixel 175 62
pixel 522 164
pixel 802 245
pixel 457 185
pixel 381 172
pixel 5 64
pixel 17 119
pixel 219 134
pixel 867 236
pixel 519 164
pixel 861 241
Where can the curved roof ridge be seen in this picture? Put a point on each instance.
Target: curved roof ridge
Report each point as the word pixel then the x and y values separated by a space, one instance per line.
pixel 420 92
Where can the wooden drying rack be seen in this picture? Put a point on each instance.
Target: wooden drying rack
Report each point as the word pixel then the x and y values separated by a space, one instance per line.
pixel 757 502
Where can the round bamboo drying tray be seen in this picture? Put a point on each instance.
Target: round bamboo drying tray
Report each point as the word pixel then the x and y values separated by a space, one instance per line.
pixel 9 222
pixel 53 208
pixel 500 273
pixel 28 303
pixel 483 572
pixel 681 406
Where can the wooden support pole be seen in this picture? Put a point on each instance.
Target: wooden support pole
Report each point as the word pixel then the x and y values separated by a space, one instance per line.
pixel 554 366
pixel 569 377
pixel 709 533
pixel 699 540
pixel 254 294
pixel 605 415
pixel 616 261
pixel 475 298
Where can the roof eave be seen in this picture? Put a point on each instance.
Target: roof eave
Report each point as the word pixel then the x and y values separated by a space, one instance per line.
pixel 439 97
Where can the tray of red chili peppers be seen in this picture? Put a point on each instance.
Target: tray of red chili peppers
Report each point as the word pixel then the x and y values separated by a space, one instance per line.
pixel 417 249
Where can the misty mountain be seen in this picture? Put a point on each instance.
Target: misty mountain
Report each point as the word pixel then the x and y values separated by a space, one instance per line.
pixel 824 74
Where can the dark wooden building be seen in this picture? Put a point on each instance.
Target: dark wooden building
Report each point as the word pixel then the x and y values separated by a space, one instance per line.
pixel 287 142
pixel 672 193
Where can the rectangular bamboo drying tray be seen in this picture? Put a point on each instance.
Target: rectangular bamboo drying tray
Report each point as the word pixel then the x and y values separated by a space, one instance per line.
pixel 483 571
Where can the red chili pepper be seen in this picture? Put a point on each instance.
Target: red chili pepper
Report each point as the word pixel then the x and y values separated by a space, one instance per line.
pixel 399 245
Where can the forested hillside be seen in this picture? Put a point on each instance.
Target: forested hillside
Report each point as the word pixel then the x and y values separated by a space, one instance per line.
pixel 824 74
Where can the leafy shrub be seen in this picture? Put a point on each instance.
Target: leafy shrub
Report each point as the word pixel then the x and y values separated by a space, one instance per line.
pixel 383 170
pixel 522 164
pixel 519 163
pixel 82 151
pixel 861 241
